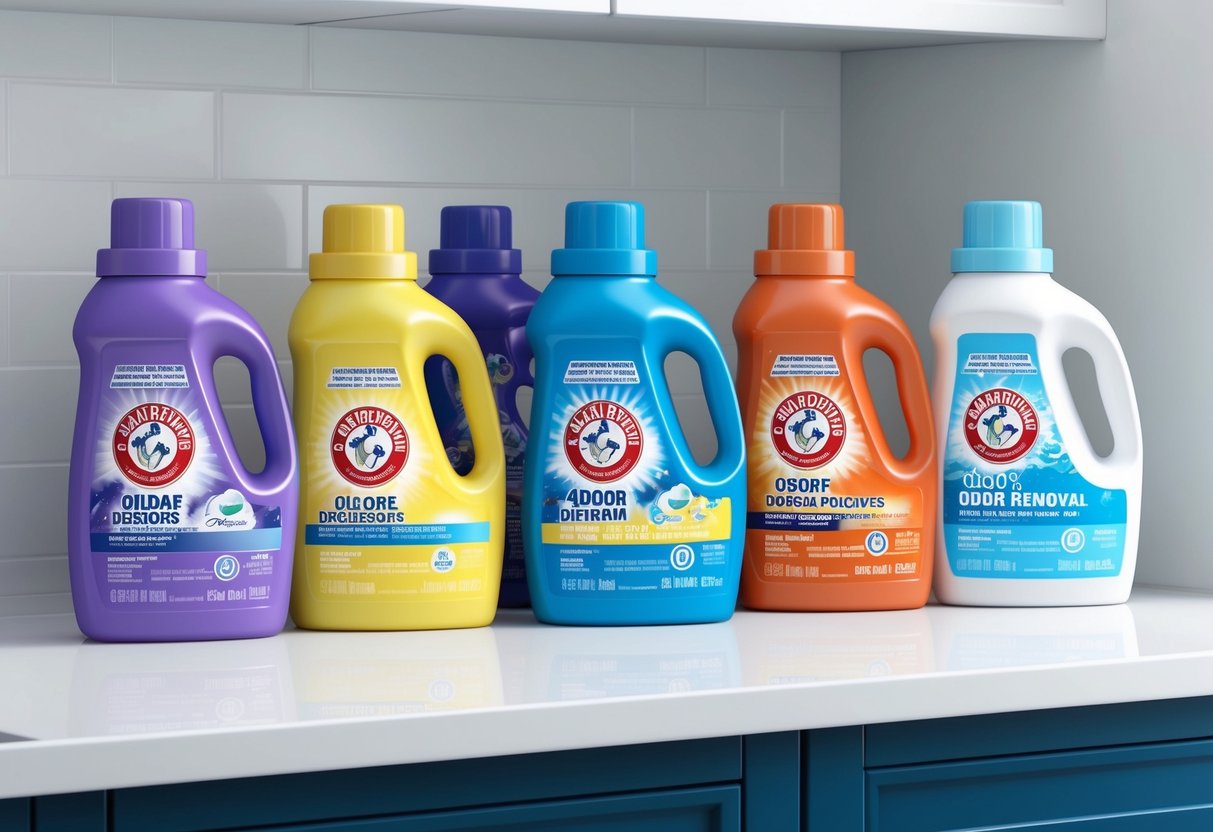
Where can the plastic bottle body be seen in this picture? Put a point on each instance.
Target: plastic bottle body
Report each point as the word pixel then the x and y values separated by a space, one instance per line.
pixel 171 538
pixel 822 479
pixel 1017 465
pixel 620 524
pixel 390 537
pixel 496 307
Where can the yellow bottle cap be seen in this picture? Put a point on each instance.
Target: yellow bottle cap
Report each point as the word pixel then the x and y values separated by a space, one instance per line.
pixel 364 241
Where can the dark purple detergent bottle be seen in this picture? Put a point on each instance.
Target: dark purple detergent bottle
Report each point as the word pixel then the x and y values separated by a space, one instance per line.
pixel 478 274
pixel 170 537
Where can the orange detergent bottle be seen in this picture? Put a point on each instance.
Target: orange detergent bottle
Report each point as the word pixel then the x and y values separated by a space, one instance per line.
pixel 834 520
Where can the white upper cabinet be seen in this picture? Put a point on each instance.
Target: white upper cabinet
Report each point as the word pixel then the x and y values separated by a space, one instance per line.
pixel 1006 18
pixel 783 24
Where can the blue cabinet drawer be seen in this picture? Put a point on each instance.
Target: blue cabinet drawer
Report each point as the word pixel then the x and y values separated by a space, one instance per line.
pixel 1126 789
pixel 280 800
pixel 711 809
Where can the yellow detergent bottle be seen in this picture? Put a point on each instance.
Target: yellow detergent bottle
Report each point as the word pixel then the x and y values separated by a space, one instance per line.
pixel 390 537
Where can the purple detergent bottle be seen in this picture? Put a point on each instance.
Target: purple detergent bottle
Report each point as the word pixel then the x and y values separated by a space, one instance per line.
pixel 170 537
pixel 478 274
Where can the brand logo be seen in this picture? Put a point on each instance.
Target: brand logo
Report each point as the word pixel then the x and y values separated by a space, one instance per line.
pixel 153 445
pixel 808 429
pixel 603 441
pixel 369 446
pixel 1000 425
pixel 227 511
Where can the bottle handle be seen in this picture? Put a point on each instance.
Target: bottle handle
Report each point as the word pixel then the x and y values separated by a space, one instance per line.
pixel 889 335
pixel 678 333
pixel 248 344
pixel 455 342
pixel 1091 333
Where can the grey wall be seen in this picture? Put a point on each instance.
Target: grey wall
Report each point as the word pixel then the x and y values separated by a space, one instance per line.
pixel 1116 141
pixel 262 126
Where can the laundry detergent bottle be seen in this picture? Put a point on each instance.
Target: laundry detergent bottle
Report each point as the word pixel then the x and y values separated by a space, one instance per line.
pixel 1031 516
pixel 835 520
pixel 620 524
pixel 477 273
pixel 391 536
pixel 170 536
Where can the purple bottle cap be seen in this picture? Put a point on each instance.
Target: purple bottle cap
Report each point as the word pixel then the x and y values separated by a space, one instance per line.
pixel 151 236
pixel 476 239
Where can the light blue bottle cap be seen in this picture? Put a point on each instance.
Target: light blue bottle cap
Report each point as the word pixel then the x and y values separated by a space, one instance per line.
pixel 604 238
pixel 1003 236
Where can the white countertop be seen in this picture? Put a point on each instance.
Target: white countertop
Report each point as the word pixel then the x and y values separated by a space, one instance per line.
pixel 110 715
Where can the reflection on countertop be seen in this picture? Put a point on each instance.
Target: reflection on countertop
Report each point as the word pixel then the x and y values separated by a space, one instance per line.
pixel 57 685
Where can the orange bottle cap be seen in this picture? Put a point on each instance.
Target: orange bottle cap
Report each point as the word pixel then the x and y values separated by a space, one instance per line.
pixel 805 240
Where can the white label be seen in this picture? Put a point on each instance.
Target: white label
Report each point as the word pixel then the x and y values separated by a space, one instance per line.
pixel 601 372
pixel 148 376
pixel 799 366
pixel 1003 363
pixel 363 378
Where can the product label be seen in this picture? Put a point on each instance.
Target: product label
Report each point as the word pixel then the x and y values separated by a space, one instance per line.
pixel 1013 504
pixel 447 401
pixel 168 530
pixel 821 508
pixel 618 515
pixel 380 520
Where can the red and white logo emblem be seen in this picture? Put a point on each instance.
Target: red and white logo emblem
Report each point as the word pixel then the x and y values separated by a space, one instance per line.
pixel 808 429
pixel 603 441
pixel 369 446
pixel 153 444
pixel 1000 425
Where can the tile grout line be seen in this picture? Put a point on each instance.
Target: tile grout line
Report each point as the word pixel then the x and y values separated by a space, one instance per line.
pixel 783 152
pixel 632 147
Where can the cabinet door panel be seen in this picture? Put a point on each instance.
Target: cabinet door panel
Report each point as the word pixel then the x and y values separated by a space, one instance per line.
pixel 711 809
pixel 1041 789
pixel 15 815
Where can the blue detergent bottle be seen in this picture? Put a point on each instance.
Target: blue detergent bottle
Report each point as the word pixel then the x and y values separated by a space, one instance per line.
pixel 620 524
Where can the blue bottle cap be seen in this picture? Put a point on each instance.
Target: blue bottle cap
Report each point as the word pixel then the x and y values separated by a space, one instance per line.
pixel 1003 236
pixel 476 239
pixel 604 238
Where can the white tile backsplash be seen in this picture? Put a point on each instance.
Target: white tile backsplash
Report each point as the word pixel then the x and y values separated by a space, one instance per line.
pixel 35 431
pixel 478 66
pixel 701 146
pixel 62 46
pixel 110 131
pixel 34 491
pixel 6 331
pixel 52 225
pixel 370 139
pixel 812 150
pixel 234 117
pixel 155 51
pixel 756 77
pixel 247 227
pixel 42 333
pixel 3 128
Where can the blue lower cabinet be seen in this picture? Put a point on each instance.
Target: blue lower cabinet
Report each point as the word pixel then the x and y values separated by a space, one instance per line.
pixel 15 814
pixel 1161 786
pixel 711 809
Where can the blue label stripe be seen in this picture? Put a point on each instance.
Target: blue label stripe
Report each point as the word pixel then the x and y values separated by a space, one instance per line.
pixel 252 540
pixel 792 521
pixel 414 534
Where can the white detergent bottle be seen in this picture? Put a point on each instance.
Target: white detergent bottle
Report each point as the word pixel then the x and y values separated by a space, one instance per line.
pixel 1029 515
